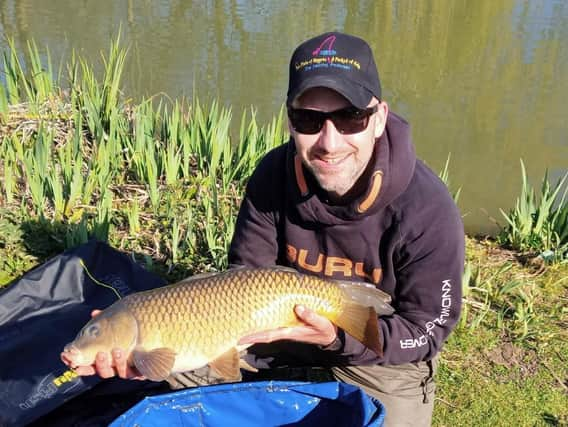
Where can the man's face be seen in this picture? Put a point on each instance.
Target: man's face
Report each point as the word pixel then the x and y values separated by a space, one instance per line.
pixel 336 160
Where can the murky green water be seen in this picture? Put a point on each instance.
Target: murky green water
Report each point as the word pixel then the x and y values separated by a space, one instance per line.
pixel 484 80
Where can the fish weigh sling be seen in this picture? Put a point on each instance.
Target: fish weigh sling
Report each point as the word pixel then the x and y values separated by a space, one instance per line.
pixel 199 321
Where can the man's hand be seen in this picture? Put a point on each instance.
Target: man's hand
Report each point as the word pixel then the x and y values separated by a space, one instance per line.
pixel 316 329
pixel 107 365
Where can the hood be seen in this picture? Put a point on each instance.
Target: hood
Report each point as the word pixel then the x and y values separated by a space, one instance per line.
pixel 393 166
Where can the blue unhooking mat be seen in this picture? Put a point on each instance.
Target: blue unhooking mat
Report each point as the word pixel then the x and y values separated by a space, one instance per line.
pixel 260 404
pixel 43 311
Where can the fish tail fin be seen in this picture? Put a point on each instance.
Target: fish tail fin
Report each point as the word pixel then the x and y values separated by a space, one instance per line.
pixel 367 295
pixel 362 324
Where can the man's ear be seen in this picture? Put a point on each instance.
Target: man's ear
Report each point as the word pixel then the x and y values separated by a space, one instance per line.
pixel 381 118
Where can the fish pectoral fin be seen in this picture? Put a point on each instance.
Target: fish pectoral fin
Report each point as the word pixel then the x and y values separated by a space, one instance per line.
pixel 227 366
pixel 362 323
pixel 156 365
pixel 243 364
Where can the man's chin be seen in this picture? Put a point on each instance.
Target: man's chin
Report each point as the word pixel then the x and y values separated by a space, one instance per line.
pixel 334 182
pixel 335 186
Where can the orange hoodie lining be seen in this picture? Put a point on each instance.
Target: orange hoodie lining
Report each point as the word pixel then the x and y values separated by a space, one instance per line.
pixel 300 179
pixel 377 179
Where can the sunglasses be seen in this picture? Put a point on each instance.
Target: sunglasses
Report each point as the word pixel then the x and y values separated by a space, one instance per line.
pixel 346 120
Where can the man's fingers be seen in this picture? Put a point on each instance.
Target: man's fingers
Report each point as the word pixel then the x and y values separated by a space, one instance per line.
pixel 119 362
pixel 84 370
pixel 267 336
pixel 95 313
pixel 64 359
pixel 315 329
pixel 323 331
pixel 123 370
pixel 103 366
pixel 306 315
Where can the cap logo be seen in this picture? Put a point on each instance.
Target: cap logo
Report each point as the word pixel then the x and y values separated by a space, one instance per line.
pixel 325 56
pixel 329 51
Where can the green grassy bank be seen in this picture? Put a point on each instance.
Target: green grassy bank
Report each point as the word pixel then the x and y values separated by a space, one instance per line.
pixel 163 181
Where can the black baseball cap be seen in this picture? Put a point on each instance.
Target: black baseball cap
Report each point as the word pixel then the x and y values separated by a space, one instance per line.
pixel 337 61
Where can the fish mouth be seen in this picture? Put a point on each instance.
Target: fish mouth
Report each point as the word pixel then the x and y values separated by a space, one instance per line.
pixel 71 356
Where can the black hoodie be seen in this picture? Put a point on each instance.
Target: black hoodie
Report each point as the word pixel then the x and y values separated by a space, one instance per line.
pixel 404 234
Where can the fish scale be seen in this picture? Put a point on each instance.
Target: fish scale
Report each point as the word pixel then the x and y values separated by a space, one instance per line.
pixel 270 297
pixel 200 320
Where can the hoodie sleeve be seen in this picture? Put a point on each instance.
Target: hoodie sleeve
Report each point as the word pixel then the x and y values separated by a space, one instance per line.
pixel 255 240
pixel 428 265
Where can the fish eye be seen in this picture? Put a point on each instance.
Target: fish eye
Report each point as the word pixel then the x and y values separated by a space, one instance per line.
pixel 92 331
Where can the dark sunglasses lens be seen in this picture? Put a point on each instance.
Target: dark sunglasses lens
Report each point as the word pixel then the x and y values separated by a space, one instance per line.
pixel 348 121
pixel 306 121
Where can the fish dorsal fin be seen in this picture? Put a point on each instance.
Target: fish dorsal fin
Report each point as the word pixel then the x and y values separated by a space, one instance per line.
pixel 362 324
pixel 285 269
pixel 156 365
pixel 234 268
pixel 200 276
pixel 227 365
pixel 209 274
pixel 275 267
pixel 368 295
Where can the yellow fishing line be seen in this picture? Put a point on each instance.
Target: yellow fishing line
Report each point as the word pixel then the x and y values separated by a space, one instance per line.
pixel 95 280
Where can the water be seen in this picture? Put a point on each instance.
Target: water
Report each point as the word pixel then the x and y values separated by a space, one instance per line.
pixel 485 81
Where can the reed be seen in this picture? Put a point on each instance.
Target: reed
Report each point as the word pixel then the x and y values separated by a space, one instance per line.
pixel 172 161
pixel 133 214
pixel 14 74
pixel 444 175
pixel 538 222
pixel 161 178
pixel 8 165
pixel 151 175
pixel 41 82
pixel 76 233
pixel 55 185
pixel 174 241
pixel 3 105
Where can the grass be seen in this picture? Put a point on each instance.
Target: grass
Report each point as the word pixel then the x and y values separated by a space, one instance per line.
pixel 163 181
pixel 506 363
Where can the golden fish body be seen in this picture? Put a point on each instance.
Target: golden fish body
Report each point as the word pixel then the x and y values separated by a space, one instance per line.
pixel 200 320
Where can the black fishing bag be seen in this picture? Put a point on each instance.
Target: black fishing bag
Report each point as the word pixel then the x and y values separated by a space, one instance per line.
pixel 43 311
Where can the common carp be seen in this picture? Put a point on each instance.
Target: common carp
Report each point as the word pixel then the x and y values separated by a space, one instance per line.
pixel 199 321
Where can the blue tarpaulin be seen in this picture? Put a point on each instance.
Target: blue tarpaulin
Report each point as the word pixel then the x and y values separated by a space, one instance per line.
pixel 256 404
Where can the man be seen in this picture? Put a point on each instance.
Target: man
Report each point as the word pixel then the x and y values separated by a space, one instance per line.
pixel 346 198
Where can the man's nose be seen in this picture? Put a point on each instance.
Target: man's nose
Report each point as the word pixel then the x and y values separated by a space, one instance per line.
pixel 330 138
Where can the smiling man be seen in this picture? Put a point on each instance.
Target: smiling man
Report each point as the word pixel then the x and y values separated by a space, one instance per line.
pixel 346 198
